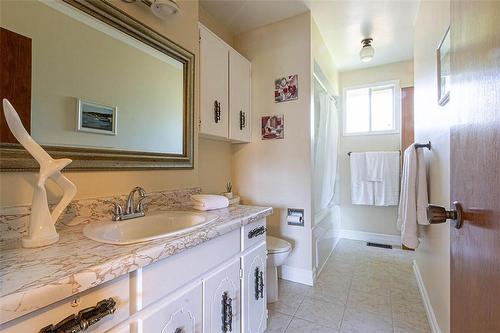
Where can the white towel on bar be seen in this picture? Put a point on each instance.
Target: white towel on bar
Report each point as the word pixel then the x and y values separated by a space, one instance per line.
pixel 375 165
pixel 414 199
pixel 361 189
pixel 386 191
pixel 209 201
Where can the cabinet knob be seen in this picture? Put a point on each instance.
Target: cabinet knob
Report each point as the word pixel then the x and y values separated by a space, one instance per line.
pixel 438 214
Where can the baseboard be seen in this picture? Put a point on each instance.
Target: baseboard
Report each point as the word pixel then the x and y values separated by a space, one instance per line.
pixel 370 237
pixel 425 298
pixel 295 274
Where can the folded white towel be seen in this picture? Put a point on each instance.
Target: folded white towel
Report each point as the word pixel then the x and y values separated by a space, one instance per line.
pixel 387 190
pixel 375 165
pixel 413 200
pixel 209 201
pixel 361 190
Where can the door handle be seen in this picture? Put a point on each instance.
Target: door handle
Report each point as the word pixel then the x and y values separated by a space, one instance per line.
pixel 438 214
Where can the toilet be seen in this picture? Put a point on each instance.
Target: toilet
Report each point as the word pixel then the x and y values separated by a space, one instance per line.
pixel 277 253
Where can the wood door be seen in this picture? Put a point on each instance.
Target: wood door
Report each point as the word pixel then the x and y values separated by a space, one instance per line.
pixel 221 295
pixel 15 83
pixel 408 131
pixel 214 67
pixel 255 296
pixel 475 165
pixel 239 98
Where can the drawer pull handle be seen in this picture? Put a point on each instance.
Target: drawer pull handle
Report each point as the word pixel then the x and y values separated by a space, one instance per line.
pixel 217 111
pixel 84 319
pixel 259 283
pixel 243 120
pixel 227 313
pixel 257 232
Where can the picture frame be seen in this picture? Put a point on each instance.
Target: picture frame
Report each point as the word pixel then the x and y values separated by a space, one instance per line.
pixel 443 69
pixel 286 88
pixel 273 127
pixel 96 118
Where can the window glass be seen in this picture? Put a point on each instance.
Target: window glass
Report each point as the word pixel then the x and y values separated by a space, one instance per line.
pixel 358 110
pixel 382 109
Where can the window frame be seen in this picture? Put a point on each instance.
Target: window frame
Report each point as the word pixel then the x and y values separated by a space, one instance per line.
pixel 396 111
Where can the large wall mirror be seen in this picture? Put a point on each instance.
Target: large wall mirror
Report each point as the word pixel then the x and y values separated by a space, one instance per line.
pixel 92 84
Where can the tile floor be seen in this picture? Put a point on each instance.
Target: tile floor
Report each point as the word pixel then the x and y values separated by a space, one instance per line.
pixel 360 290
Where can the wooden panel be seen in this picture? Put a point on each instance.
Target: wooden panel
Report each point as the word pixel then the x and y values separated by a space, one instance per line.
pixel 15 80
pixel 407 129
pixel 475 165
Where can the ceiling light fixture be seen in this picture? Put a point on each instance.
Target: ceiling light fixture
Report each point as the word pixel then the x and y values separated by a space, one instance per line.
pixel 160 8
pixel 367 51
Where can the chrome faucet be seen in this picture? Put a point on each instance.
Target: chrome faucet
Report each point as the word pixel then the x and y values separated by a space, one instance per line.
pixel 132 210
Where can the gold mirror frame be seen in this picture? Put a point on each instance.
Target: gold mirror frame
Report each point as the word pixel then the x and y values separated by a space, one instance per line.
pixel 13 157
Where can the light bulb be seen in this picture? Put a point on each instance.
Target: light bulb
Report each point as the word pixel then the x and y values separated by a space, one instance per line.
pixel 164 8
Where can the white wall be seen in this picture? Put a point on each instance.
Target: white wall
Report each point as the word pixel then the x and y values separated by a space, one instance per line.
pixel 277 173
pixel 16 188
pixel 381 220
pixel 432 123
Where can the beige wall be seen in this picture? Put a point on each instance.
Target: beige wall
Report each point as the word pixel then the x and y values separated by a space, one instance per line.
pixel 432 123
pixel 373 219
pixel 213 25
pixel 16 187
pixel 277 173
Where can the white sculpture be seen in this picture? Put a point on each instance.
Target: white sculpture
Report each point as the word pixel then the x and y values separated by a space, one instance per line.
pixel 41 229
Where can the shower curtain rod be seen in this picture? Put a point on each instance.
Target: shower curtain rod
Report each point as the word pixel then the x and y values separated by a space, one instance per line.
pixel 324 88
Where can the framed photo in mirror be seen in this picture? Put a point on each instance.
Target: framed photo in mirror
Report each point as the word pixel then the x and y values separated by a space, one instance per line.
pixel 96 118
pixel 443 69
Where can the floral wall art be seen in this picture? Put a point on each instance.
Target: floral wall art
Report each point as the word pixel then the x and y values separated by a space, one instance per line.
pixel 286 88
pixel 273 127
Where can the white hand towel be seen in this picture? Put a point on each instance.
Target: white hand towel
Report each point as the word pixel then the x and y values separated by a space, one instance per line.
pixel 209 201
pixel 413 200
pixel 386 191
pixel 361 190
pixel 375 165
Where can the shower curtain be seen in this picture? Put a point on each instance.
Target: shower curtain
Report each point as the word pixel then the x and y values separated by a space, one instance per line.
pixel 325 161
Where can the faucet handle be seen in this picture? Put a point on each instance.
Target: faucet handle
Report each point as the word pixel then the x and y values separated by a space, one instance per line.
pixel 118 211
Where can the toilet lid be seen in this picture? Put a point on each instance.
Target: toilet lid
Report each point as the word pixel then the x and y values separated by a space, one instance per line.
pixel 277 245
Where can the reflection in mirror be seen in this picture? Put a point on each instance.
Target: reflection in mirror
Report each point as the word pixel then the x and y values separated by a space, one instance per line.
pixel 93 86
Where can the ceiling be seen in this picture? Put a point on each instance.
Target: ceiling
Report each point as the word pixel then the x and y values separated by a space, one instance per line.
pixel 343 24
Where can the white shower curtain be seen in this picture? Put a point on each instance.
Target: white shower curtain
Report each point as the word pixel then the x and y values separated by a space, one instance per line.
pixel 326 134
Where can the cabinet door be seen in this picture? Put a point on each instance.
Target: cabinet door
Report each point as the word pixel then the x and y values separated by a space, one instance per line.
pixel 221 300
pixel 179 313
pixel 213 85
pixel 239 98
pixel 254 297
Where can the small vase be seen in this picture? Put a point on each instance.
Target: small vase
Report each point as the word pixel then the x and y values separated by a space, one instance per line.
pixel 228 195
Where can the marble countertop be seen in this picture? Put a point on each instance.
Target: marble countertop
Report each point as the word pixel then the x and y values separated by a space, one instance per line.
pixel 33 278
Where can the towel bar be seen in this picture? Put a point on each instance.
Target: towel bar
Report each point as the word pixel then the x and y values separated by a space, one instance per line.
pixel 417 145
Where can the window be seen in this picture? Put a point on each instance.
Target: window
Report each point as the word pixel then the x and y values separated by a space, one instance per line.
pixel 371 109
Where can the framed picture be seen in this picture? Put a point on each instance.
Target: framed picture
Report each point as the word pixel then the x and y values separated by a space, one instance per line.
pixel 286 88
pixel 96 118
pixel 443 69
pixel 273 127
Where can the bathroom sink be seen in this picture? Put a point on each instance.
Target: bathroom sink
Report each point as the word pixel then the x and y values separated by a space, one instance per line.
pixel 146 228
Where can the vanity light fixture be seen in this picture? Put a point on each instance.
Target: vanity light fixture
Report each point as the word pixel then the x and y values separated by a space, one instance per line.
pixel 367 51
pixel 160 8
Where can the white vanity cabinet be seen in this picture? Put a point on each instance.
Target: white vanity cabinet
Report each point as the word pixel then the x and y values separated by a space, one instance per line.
pixel 214 287
pixel 254 297
pixel 225 86
pixel 221 299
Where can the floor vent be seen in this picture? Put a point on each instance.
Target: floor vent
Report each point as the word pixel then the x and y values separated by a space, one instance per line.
pixel 384 246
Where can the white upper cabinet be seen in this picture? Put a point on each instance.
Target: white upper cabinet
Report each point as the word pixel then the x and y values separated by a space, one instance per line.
pixel 239 98
pixel 214 101
pixel 224 90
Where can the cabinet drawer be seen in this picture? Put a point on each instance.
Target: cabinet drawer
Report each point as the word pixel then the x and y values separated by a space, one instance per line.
pixel 118 289
pixel 161 278
pixel 253 234
pixel 180 312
